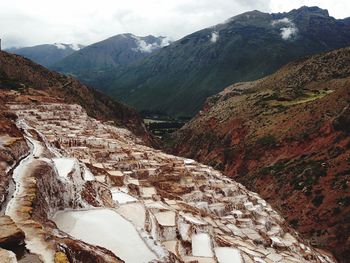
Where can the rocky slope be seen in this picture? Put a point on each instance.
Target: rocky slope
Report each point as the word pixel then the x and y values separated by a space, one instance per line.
pixel 83 176
pixel 112 53
pixel 286 137
pixel 177 79
pixel 13 148
pixel 47 54
pixel 34 83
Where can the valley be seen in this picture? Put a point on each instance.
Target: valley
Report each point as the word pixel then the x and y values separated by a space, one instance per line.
pixel 162 128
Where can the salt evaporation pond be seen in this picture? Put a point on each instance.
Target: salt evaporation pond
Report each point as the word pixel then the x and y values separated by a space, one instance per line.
pixel 105 228
pixel 228 255
pixel 64 166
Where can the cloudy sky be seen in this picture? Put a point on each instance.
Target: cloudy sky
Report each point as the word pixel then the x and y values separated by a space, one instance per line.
pixel 25 23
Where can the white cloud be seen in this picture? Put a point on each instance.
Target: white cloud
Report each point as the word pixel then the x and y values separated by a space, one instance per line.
pixel 34 22
pixel 60 46
pixel 289 30
pixel 166 41
pixel 284 20
pixel 75 46
pixel 214 37
pixel 143 46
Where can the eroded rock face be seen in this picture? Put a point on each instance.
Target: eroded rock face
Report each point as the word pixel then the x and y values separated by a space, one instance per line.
pixel 182 210
pixel 77 251
pixel 10 235
pixel 12 148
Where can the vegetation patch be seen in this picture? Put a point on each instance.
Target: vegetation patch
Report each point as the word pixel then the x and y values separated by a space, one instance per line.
pixel 344 201
pixel 268 140
pixel 318 200
pixel 305 98
pixel 294 222
pixel 275 169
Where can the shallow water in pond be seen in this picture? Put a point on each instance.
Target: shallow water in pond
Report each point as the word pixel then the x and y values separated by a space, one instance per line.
pixel 106 228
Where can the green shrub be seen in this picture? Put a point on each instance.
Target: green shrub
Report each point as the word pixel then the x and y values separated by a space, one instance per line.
pixel 268 140
pixel 318 200
pixel 294 222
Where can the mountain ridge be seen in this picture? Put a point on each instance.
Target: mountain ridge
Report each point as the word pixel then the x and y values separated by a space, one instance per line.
pixel 46 54
pixel 246 47
pixel 113 52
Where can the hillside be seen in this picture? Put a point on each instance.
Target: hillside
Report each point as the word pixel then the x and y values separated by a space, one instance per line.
pixel 286 137
pixel 34 83
pixel 47 54
pixel 112 53
pixel 177 79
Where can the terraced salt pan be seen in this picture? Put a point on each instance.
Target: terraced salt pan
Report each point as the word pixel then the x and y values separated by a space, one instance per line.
pixel 106 228
pixel 34 242
pixel 135 212
pixel 64 166
pixel 148 192
pixel 88 175
pixel 166 218
pixel 228 255
pixel 236 229
pixel 192 219
pixel 121 197
pixel 201 245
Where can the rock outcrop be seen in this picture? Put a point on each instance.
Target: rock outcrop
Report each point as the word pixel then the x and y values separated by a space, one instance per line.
pixel 10 235
pixel 12 148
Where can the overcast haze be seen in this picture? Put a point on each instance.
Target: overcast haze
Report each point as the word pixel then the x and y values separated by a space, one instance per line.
pixel 26 23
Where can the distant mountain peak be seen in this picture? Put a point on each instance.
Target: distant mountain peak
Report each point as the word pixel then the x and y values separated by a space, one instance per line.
pixel 46 54
pixel 250 15
pixel 116 51
pixel 312 10
pixel 305 12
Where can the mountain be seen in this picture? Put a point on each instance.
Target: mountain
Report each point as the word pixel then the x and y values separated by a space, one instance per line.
pixel 36 83
pixel 112 53
pixel 178 78
pixel 285 136
pixel 47 54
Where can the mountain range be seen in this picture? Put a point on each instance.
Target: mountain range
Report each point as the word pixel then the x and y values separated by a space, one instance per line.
pixel 112 53
pixel 47 54
pixel 178 78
